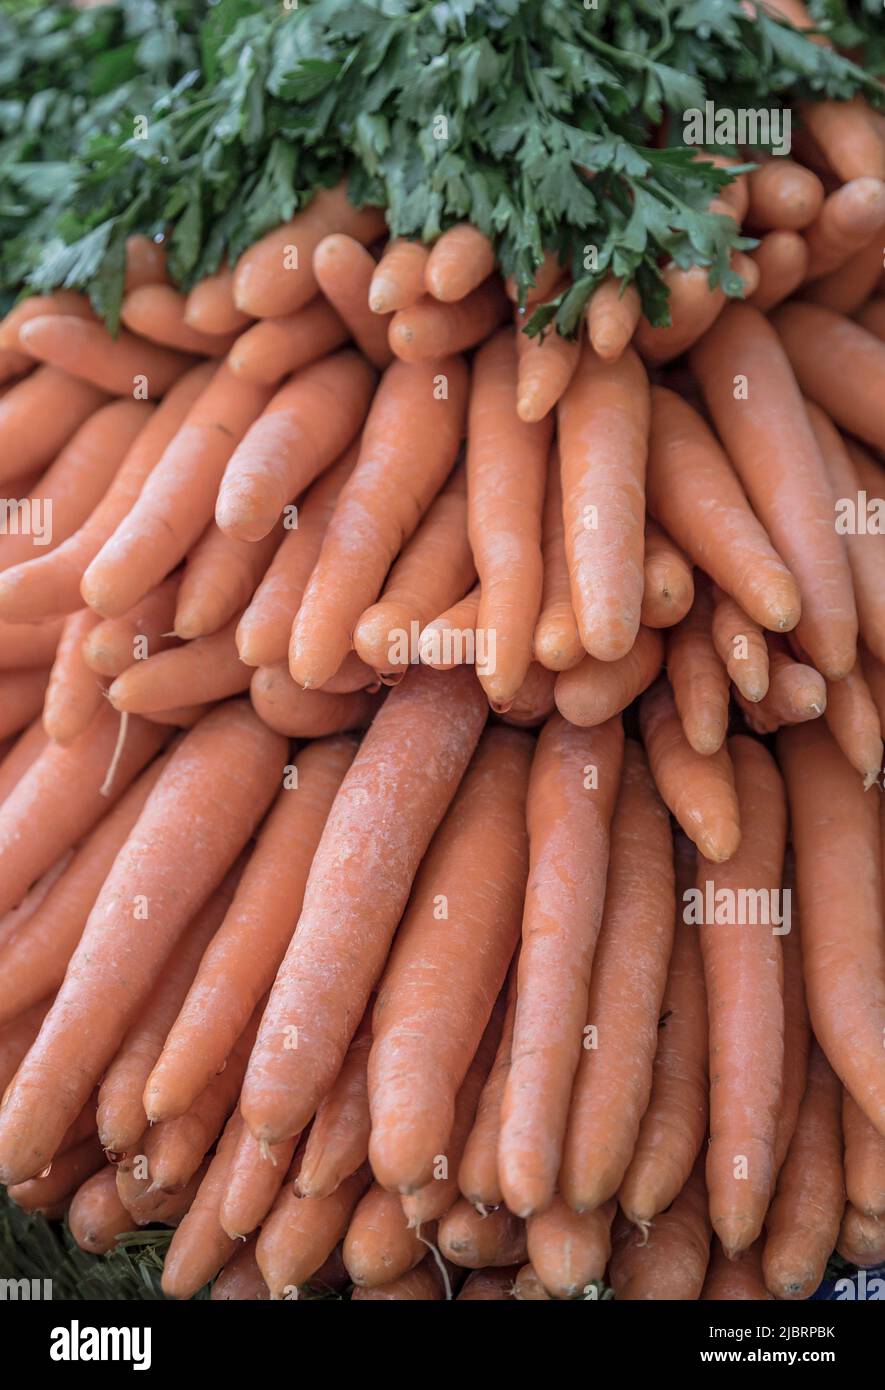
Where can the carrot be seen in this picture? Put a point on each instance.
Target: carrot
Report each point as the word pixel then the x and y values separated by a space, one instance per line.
pixel 697 676
pixel 51 584
pixel 534 701
pixel 478 1170
pixel 74 695
pixel 556 641
pixel 613 312
pixel 476 1242
pixel 398 279
pixel 210 306
pixel 784 196
pixel 812 336
pixel 803 1223
pixel 254 1180
pixel 352 675
pixel 864 1161
pixel 603 435
pixel 215 787
pixel 847 136
pixel 239 964
pixel 13 364
pixel 571 798
pixel 614 1075
pixel 506 475
pixel 861 1239
pixel 200 1246
pixel 240 1279
pixel 37 306
pixel 17 917
pixel 546 276
pixel 379 1245
pixel 275 276
pixel 698 789
pixel 39 415
pixel 21 698
pixel 26 645
pixel 450 640
pixel 178 716
pixel 112 645
pixel 97 1216
pixel 668 585
pixel 448 964
pixel 158 313
pixel 16 1039
pixel 693 307
pixel 69 780
pixel 570 1250
pixel 797 1032
pixel 66 1173
pixel 527 1287
pixel 849 287
pixel 121 1113
pixel 782 261
pixel 423 1284
pixel 670 1262
pixel 796 693
pixel 685 463
pixel 853 720
pixel 120 365
pixel 488 1285
pixel 408 446
pixel 736 1279
pixel 343 270
pixel 595 691
pixel 458 263
pixel 834 821
pixel 741 647
pixel 847 222
pixel 339 1136
pixel 872 316
pixel 19 757
pixel 272 348
pixel 220 577
pixel 434 569
pixel 176 501
pixel 301 1232
pixel 145 262
pixel 675 1122
pixel 201 671
pixel 146 1204
pixel 298 713
pixel 423 736
pixel 430 329
pixel 774 450
pixel 546 365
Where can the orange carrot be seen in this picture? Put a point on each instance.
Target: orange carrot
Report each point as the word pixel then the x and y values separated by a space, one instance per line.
pixel 37 306
pixel 38 417
pixel 613 312
pixel 240 1279
pixel 698 677
pixel 200 671
pixel 220 577
pixel 27 645
pixel 784 196
pixel 429 329
pixel 272 348
pixel 210 306
pixel 16 1039
pixel 450 640
pixel 380 1246
pixel 571 797
pixel 782 261
pixel 851 286
pixel 478 1170
pixel 796 692
pixel 425 1283
pixel 556 642
pixel 528 1288
pixel 595 691
pixel 797 1032
pixel 121 366
pixel 668 589
pixel 158 313
pixel 853 720
pixel 847 222
pixel 861 1239
pixel 693 307
pixel 736 1279
pixel 603 437
pixel 812 336
pixel 740 644
pixel 458 263
pixel 477 1242
pixel 847 136
pixel 339 1136
pixel 488 1285
pixel 62 1177
pixel 534 701
pixel 864 1161
pixel 145 262
pixel 569 1250
pixel 301 1232
pixel 147 1204
pixel 547 276
pixel 21 698
pixel 343 270
pixel 97 1216
pixel 19 758
pixel 13 364
pixel 201 1246
pixel 398 279
pixel 74 694
pixel 114 643
pixel 670 1262
pixel 872 317
pixel 547 364
pixel 299 713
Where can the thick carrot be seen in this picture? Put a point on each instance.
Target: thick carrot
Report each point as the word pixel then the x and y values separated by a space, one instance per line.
pixel 157 312
pixel 847 222
pixel 864 1161
pixel 478 1170
pixel 698 789
pixel 693 308
pixel 121 366
pixel 26 645
pixel 488 1285
pixel 556 640
pixel 52 584
pixel 429 329
pixel 409 443
pixel 534 702
pixel 784 196
pixel 239 964
pixel 848 288
pixel 595 691
pixel 275 276
pixel 256 1174
pixel 434 570
pixel 671 1261
pixel 210 306
pixel 145 262
pixel 298 713
pixel 121 1113
pixel 343 270
pixel 802 1224
pixel 423 1284
pixel 797 1031
pixel 16 1039
pixel 450 640
pixel 847 136
pixel 796 692
pixel 263 631
pixel 21 698
pixel 506 477
pixel 812 336
pixel 668 589
pixel 201 1246
pixel 782 261
pixel 613 312
pixel 301 1232
pixel 675 1122
pixel 398 279
pixel 214 789
pixel 339 1136
pixel 112 645
pixel 603 440
pixel 861 1239
pixel 527 1287
pixel 732 1280
pixel 38 417
pixel 697 676
pixel 546 365
pixel 448 963
pixel 853 720
pixel 547 275
pixel 458 262
pixel 570 1249
pixel 272 348
pixel 614 1076
pixel 74 694
pixel 723 537
pixel 64 1175
pixel 572 792
pixel 477 1242
pixel 380 1246
pixel 423 736
pixel 872 316
pixel 147 1204
pixel 97 1216
pixel 220 577
pixel 176 502
pixel 206 669
pixel 37 306
pixel 240 1280
pixel 740 644
pixel 834 822
pixel 775 453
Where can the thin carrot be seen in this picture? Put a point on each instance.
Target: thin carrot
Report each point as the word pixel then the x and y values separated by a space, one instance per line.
pixel 796 692
pixel 546 365
pixel 847 136
pixel 97 1216
pixel 301 1232
pixel 613 312
pixel 506 476
pixel 19 758
pixel 120 365
pixel 157 312
pixel 380 1246
pixel 848 288
pixel 424 736
pixel 784 196
pixel 26 645
pixel 272 348
pixel 478 1170
pixel 210 306
pixel 740 644
pixel 864 1161
pixel 239 964
pixel 812 336
pixel 299 713
pixel 534 701
pixel 847 222
pixel 146 1204
pixel 114 643
pixel 797 1030
pixel 477 1242
pixel 343 270
pixel 693 307
pixel 211 794
pixel 198 672
pixel 16 1040
pixel 398 279
pixel 595 691
pixel 603 440
pixel 556 641
pixel 570 1250
pixel 430 329
pixel 671 1261
pixel 547 275
pixel 853 720
pixel 339 1136
pixel 220 576
pixel 445 972
pixel 698 788
pixel 21 698
pixel 782 261
pixel 668 589
pixel 74 694
pixel 66 1173
pixel 698 677
pixel 450 640
pixel 571 798
pixel 736 1279
pixel 201 1246
pixel 39 415
pixel 459 262
pixel 37 306
pixel 408 446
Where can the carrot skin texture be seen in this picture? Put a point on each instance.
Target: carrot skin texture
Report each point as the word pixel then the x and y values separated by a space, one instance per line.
pixel 568 1249
pixel 344 270
pixel 478 1169
pixel 240 1280
pixel 861 1239
pixel 556 640
pixel 737 1279
pixel 39 415
pixel 97 1216
pixel 672 1262
pixel 398 279
pixel 301 1232
pixel 864 1161
pixel 115 365
pixel 200 1246
pixel 298 713
pixel 740 643
pixel 697 676
pixel 272 348
pixel 338 1142
pixel 782 261
pixel 812 335
pixel 458 262
pixel 595 691
pixel 207 669
pixel 669 586
pixel 380 1246
pixel 473 1241
pixel 431 329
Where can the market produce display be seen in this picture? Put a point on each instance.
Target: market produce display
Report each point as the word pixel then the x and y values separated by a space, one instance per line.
pixel 442 645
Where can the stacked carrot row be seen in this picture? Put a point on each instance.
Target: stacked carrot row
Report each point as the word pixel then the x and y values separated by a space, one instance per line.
pixel 422 991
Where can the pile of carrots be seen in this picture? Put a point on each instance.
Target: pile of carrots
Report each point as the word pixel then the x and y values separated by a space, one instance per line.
pixel 365 964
